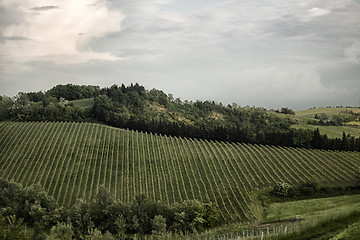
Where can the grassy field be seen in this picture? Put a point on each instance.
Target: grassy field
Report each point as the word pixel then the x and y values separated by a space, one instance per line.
pixel 71 161
pixel 84 103
pixel 328 111
pixel 331 131
pixel 317 218
pixel 312 208
pixel 302 117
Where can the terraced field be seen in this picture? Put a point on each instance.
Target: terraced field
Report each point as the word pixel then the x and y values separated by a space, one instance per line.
pixel 71 161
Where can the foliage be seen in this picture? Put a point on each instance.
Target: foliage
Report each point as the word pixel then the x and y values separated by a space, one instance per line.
pixel 287 111
pixel 158 225
pixel 307 190
pixel 166 169
pixel 103 217
pixel 192 215
pixel 71 92
pixel 61 231
pixel 282 189
pixel 325 229
pixel 29 203
pixel 12 228
pixel 154 111
pixel 357 176
pixel 351 233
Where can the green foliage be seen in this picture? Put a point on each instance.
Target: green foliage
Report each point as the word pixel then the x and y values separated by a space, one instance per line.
pixel 193 215
pixel 72 92
pixel 167 169
pixel 287 111
pixel 93 234
pixel 282 189
pixel 357 176
pixel 61 231
pixel 12 228
pixel 351 233
pixel 154 111
pixel 31 204
pixel 158 225
pixel 326 229
pixel 101 218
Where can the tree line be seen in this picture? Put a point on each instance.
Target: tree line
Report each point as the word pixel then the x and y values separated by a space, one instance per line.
pixel 136 108
pixel 22 207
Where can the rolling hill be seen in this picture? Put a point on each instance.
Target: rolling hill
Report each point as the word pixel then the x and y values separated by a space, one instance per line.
pixel 71 160
pixel 350 126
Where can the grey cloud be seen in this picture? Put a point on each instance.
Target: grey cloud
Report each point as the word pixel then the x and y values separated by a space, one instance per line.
pixel 44 8
pixel 353 52
pixel 258 53
pixel 16 38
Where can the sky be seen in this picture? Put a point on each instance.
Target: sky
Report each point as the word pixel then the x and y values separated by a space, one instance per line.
pixel 263 53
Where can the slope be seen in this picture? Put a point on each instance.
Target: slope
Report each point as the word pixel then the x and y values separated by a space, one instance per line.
pixel 71 161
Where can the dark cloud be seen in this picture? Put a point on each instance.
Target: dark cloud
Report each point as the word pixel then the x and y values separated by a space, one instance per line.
pixel 44 8
pixel 16 38
pixel 272 53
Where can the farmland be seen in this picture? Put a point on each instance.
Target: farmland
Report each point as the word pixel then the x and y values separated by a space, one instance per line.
pixel 302 119
pixel 71 161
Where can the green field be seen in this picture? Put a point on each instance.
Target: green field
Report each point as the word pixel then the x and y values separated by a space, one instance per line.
pixel 312 213
pixel 313 208
pixel 328 111
pixel 87 103
pixel 302 118
pixel 71 161
pixel 331 131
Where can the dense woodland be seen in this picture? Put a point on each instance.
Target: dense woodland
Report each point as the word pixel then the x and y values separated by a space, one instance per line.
pixel 32 209
pixel 154 111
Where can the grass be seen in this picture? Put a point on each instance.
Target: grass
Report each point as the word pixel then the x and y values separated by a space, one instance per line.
pixel 312 207
pixel 331 131
pixel 84 103
pixel 325 229
pixel 328 111
pixel 302 117
pixel 351 233
pixel 323 218
pixel 165 169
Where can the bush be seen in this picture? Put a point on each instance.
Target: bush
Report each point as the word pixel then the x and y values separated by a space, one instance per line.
pixel 61 231
pixel 159 225
pixel 308 189
pixel 282 189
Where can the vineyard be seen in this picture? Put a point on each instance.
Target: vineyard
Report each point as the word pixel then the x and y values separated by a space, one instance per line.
pixel 71 161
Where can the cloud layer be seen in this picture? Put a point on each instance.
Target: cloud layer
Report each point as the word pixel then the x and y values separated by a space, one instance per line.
pixel 269 53
pixel 57 31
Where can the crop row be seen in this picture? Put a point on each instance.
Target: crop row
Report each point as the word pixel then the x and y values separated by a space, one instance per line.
pixel 71 161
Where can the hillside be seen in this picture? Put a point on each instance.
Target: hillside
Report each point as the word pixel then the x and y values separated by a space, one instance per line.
pixel 133 107
pixel 332 121
pixel 71 161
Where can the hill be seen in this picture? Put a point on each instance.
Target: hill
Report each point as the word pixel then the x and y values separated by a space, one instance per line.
pixel 154 111
pixel 71 161
pixel 332 121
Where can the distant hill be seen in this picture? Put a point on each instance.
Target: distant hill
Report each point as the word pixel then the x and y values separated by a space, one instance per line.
pixel 71 160
pixel 332 121
pixel 154 111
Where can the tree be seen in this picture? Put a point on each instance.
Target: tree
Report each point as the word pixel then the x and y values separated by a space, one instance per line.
pixel 282 189
pixel 158 225
pixel 6 104
pixel 287 111
pixel 357 176
pixel 61 231
pixel 98 209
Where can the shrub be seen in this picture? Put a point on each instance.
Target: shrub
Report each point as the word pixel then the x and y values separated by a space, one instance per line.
pixel 61 231
pixel 159 225
pixel 282 189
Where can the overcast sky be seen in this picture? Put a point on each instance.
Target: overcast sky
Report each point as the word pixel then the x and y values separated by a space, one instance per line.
pixel 265 53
